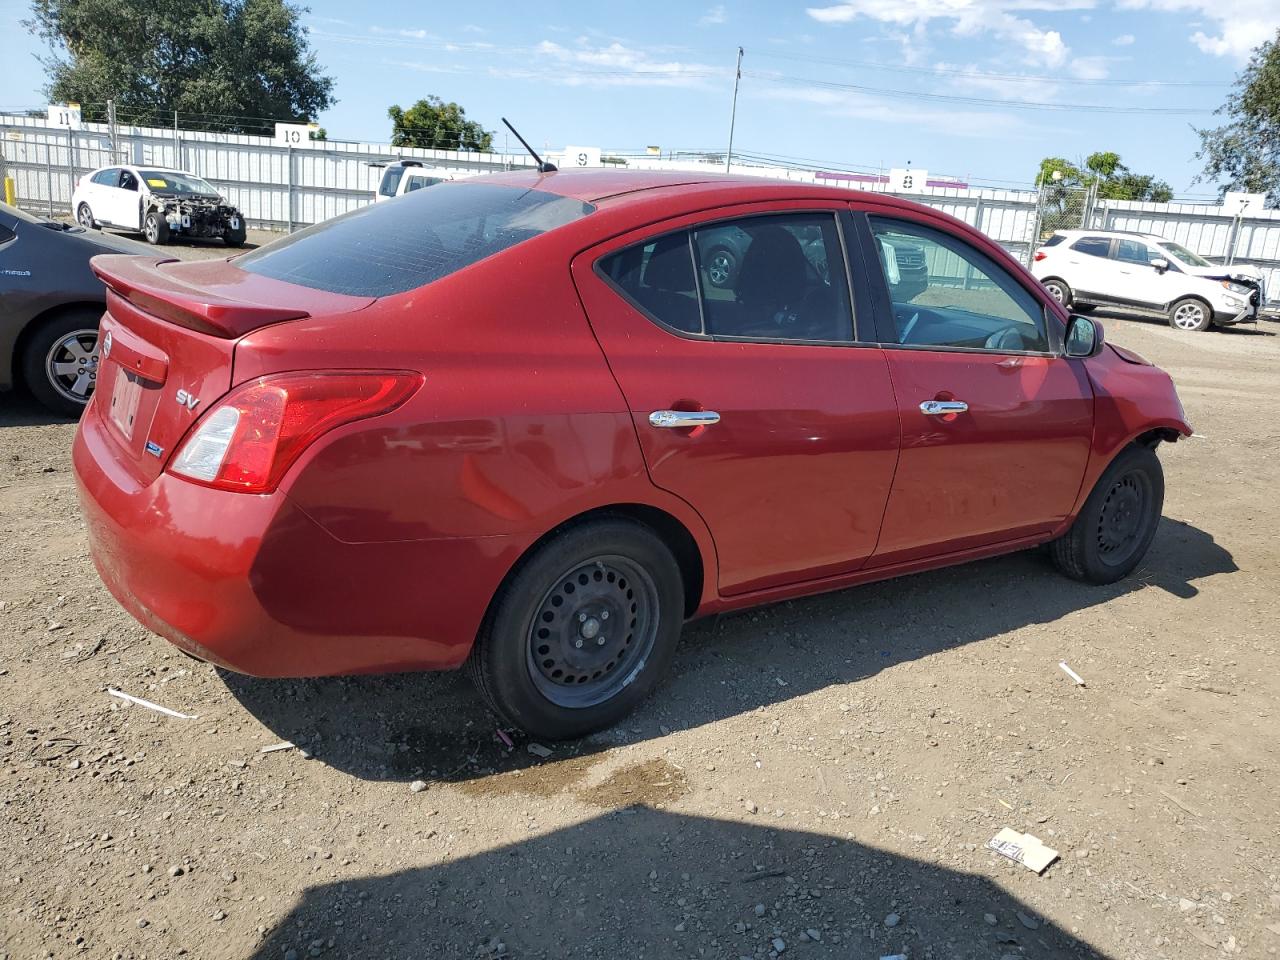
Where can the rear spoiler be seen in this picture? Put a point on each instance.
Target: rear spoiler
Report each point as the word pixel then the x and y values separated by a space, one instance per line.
pixel 140 281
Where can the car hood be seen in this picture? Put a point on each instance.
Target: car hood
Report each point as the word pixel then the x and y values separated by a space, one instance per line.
pixel 1236 271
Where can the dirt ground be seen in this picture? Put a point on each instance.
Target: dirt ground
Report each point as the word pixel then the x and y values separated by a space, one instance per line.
pixel 817 779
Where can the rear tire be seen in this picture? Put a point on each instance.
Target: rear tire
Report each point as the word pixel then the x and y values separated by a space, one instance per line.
pixel 60 361
pixel 84 217
pixel 155 229
pixel 1190 314
pixel 1118 521
pixel 1058 289
pixel 582 632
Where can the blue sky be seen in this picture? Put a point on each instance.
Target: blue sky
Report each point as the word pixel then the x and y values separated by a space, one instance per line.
pixel 815 75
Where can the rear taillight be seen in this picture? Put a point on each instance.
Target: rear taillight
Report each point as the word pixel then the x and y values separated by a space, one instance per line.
pixel 1040 255
pixel 251 437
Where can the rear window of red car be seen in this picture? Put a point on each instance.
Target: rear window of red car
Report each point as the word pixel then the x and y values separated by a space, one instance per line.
pixel 398 245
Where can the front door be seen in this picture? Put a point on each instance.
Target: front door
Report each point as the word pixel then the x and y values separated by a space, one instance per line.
pixel 1146 286
pixel 996 424
pixel 733 343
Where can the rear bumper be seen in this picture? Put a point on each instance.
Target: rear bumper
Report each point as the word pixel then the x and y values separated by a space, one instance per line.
pixel 253 584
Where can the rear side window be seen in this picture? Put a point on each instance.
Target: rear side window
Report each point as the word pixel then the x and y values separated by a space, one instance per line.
pixel 390 181
pixel 6 234
pixel 388 248
pixel 107 178
pixel 1053 241
pixel 1092 246
pixel 779 278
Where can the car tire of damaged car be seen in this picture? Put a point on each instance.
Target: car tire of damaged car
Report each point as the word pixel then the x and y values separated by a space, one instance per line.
pixel 583 632
pixel 1118 521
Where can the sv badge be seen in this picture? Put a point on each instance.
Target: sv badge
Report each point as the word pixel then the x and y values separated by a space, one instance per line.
pixel 187 400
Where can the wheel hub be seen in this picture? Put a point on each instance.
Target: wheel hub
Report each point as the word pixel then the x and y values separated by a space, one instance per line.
pixel 1121 519
pixel 595 624
pixel 72 365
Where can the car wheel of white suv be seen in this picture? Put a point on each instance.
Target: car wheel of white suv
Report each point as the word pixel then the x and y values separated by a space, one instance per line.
pixel 1059 290
pixel 1190 314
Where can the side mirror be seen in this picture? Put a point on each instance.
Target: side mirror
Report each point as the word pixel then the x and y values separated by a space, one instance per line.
pixel 1083 339
pixel 1161 264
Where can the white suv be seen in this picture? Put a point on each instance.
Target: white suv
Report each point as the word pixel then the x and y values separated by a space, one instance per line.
pixel 1146 275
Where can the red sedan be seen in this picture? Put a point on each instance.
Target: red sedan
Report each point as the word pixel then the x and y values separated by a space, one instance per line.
pixel 510 422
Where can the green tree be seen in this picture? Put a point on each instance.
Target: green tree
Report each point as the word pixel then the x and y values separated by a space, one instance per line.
pixel 437 125
pixel 1114 180
pixel 319 133
pixel 229 65
pixel 1244 153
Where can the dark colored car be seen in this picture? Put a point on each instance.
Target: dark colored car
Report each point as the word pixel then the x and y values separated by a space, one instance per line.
pixel 507 422
pixel 50 305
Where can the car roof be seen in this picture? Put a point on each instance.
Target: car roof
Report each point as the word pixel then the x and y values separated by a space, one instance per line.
pixel 600 185
pixel 1153 238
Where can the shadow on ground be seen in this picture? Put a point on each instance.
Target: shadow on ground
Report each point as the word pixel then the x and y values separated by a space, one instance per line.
pixel 19 409
pixel 1265 327
pixel 433 726
pixel 690 888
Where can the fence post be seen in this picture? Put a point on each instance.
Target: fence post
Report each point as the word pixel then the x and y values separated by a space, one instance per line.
pixel 1034 240
pixel 289 162
pixel 48 172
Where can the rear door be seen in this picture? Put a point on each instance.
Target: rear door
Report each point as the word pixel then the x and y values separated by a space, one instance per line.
pixel 752 397
pixel 121 203
pixel 1090 271
pixel 996 424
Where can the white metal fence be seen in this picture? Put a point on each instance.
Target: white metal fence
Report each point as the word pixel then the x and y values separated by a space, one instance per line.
pixel 279 187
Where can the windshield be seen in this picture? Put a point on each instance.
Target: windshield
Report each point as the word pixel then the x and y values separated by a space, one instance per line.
pixel 1186 256
pixel 387 248
pixel 183 184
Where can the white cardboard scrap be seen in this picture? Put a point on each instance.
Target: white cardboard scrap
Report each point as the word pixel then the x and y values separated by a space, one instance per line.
pixel 1023 848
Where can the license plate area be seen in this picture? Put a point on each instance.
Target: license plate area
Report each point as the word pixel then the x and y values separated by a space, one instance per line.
pixel 126 393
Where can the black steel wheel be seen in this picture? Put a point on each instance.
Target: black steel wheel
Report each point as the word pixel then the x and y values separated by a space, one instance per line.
pixel 582 631
pixel 1115 527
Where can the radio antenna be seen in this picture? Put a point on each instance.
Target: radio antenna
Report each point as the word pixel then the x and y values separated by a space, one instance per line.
pixel 543 165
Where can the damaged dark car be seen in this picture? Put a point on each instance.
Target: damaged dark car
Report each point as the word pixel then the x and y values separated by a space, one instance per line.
pixel 160 204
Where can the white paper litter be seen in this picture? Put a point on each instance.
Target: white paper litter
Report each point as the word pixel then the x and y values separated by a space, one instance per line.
pixel 1023 848
pixel 1071 673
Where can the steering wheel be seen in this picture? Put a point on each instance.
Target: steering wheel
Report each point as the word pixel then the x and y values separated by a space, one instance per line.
pixel 1007 338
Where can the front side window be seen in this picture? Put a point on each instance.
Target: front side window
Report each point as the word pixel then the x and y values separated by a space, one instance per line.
pixel 963 299
pixel 1092 246
pixel 1135 251
pixel 128 181
pixel 387 248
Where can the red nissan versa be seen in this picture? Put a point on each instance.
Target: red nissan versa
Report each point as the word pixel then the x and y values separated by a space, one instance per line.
pixel 509 422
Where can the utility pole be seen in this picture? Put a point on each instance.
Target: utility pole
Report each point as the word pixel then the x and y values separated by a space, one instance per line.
pixel 733 113
pixel 112 141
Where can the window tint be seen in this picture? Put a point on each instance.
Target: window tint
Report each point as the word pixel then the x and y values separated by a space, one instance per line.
pixel 1134 251
pixel 128 181
pixel 658 277
pixel 947 293
pixel 1053 241
pixel 387 248
pixel 417 182
pixel 390 181
pixel 6 234
pixel 1092 246
pixel 108 178
pixel 778 277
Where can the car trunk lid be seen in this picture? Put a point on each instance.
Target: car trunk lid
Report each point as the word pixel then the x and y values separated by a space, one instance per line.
pixel 168 341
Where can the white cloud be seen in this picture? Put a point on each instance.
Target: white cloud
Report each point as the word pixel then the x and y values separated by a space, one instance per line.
pixel 967 18
pixel 615 63
pixel 1090 68
pixel 1241 25
pixel 938 120
pixel 1124 40
pixel 715 16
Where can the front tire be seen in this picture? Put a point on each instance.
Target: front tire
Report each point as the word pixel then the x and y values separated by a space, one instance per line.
pixel 60 362
pixel 1059 290
pixel 1190 314
pixel 1118 521
pixel 155 229
pixel 582 632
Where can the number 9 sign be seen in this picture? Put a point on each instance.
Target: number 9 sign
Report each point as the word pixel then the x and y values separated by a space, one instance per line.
pixel 581 157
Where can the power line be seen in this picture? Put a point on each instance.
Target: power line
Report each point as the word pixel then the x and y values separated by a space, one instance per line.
pixel 1006 77
pixel 982 101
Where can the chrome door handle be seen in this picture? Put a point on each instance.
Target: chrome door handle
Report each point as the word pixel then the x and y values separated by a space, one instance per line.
pixel 683 418
pixel 940 408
